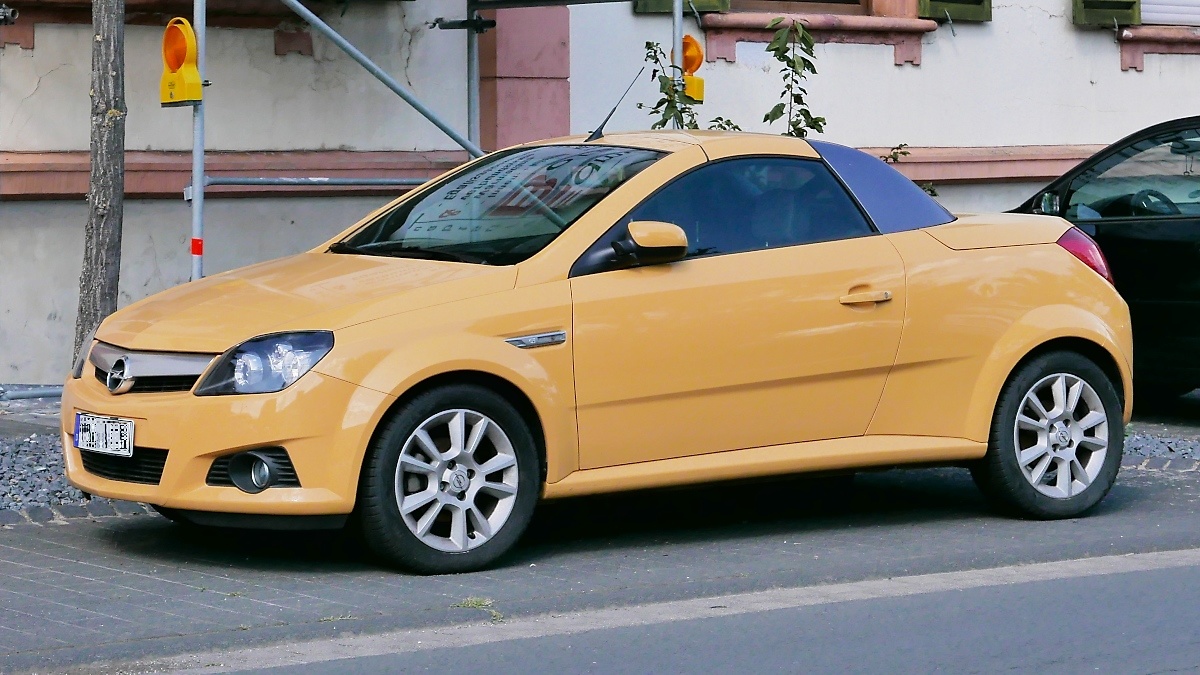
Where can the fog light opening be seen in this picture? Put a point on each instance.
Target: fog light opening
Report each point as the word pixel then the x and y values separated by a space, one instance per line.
pixel 253 472
pixel 260 474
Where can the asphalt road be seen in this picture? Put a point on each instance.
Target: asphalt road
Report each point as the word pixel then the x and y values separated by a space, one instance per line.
pixel 782 575
pixel 138 594
pixel 1140 622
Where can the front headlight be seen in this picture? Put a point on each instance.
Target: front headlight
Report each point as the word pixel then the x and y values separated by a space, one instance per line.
pixel 85 350
pixel 266 364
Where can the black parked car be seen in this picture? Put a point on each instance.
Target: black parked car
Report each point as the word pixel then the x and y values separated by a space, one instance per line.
pixel 1139 198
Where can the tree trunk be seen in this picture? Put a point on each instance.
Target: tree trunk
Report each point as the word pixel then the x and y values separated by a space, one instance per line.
pixel 106 194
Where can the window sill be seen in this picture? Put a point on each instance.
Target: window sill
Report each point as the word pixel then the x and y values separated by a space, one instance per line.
pixel 1137 41
pixel 724 31
pixel 262 14
pixel 1021 163
pixel 163 174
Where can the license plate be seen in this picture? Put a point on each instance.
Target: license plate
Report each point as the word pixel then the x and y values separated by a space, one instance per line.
pixel 107 435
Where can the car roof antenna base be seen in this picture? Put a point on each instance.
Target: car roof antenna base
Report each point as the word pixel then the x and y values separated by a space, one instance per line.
pixel 599 132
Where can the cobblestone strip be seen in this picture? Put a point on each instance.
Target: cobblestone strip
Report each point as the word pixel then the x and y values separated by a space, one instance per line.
pixel 61 514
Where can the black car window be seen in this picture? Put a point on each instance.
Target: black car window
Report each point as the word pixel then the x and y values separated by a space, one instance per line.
pixel 894 203
pixel 755 203
pixel 1158 176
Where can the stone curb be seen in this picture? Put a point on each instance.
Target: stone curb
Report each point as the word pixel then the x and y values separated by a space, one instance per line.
pixel 62 514
pixel 1159 464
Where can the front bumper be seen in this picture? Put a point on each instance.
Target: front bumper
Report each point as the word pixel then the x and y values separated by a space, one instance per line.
pixel 325 424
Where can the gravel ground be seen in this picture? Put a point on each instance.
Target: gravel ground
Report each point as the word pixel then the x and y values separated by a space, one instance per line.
pixel 1144 445
pixel 31 473
pixel 31 464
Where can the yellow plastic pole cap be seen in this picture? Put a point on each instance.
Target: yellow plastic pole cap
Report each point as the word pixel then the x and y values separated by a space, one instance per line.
pixel 181 84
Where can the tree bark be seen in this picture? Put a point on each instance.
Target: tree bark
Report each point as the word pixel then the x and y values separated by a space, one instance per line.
pixel 106 195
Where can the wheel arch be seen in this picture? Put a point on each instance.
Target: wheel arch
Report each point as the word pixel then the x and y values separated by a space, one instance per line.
pixel 504 387
pixel 1030 338
pixel 1084 347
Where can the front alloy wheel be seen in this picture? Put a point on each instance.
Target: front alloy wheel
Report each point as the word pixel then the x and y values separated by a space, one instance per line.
pixel 1057 438
pixel 451 481
pixel 456 482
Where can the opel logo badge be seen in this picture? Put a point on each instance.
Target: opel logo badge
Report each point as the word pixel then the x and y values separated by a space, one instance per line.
pixel 118 380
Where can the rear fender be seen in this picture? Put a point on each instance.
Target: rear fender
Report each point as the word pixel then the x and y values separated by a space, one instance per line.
pixel 1041 326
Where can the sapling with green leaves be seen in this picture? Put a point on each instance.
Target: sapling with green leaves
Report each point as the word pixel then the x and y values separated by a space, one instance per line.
pixel 792 46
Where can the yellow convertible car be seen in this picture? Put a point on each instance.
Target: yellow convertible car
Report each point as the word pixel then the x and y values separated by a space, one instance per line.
pixel 572 317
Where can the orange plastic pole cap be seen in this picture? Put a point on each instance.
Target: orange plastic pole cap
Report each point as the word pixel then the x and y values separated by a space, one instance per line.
pixel 693 55
pixel 178 43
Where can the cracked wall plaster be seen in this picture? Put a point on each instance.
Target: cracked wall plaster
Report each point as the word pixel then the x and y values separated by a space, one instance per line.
pixel 259 101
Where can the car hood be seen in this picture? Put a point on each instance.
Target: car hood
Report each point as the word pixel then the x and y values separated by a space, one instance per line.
pixel 303 292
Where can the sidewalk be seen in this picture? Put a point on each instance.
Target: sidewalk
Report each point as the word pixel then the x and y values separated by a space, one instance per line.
pixel 135 586
pixel 28 415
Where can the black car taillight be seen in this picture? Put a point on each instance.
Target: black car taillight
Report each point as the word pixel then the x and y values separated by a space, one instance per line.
pixel 1085 248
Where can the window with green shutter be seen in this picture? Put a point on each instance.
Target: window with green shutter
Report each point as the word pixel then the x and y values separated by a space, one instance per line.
pixel 1107 13
pixel 955 10
pixel 649 6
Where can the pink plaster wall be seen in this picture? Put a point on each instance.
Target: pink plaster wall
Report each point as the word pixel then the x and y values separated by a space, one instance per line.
pixel 525 66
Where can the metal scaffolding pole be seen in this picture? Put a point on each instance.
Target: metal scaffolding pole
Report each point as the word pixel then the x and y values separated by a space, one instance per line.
pixel 389 81
pixel 470 143
pixel 677 43
pixel 472 79
pixel 200 23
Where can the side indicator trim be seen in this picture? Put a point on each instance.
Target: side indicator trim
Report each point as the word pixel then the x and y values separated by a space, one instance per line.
pixel 557 337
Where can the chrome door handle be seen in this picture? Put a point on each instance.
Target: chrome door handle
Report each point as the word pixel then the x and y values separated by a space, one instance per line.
pixel 868 297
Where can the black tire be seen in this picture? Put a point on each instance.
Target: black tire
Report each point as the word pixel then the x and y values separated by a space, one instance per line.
pixel 999 473
pixel 379 518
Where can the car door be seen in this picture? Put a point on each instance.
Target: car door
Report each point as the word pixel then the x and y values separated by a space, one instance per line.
pixel 1140 201
pixel 780 326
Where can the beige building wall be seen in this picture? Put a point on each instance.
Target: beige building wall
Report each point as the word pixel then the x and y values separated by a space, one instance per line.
pixel 258 101
pixel 1029 77
pixel 991 113
pixel 41 246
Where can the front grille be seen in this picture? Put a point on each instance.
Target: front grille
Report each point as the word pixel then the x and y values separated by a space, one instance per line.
pixel 163 383
pixel 218 474
pixel 145 466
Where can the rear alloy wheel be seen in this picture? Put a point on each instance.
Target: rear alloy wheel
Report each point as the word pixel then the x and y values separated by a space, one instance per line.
pixel 451 483
pixel 1057 438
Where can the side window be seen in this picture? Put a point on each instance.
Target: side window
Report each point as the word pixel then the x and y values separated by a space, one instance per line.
pixel 755 203
pixel 1157 176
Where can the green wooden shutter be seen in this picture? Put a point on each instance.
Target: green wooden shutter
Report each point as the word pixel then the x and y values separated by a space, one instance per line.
pixel 955 10
pixel 665 6
pixel 1107 13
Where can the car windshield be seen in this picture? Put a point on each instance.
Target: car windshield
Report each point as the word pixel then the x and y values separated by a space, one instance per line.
pixel 503 210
